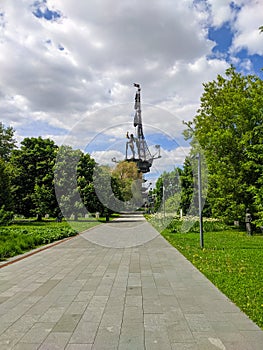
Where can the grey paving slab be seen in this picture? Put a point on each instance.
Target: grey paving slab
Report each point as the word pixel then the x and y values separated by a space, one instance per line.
pixel 118 286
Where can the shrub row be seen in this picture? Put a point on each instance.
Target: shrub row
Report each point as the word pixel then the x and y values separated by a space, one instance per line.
pixel 14 241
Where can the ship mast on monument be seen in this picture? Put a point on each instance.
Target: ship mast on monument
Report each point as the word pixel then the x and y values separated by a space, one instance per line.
pixel 137 144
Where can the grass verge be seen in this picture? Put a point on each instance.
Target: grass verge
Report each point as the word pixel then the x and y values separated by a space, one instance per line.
pixel 232 261
pixel 21 237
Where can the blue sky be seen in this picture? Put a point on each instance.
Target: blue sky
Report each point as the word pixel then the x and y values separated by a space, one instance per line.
pixel 67 71
pixel 223 37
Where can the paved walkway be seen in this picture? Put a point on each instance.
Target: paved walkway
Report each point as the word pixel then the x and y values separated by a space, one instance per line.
pixel 81 295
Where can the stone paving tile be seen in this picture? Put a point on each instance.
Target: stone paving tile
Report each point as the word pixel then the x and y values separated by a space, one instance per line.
pixel 93 314
pixel 133 314
pixel 78 347
pixel 55 341
pixel 84 333
pixel 152 306
pixel 157 342
pixel 4 326
pixel 44 288
pixel 156 335
pixel 182 346
pixel 198 323
pixel 37 333
pixel 22 325
pixel 26 346
pixel 9 339
pixel 107 337
pixel 76 308
pixel 132 336
pixel 53 314
pixel 67 323
pixel 241 322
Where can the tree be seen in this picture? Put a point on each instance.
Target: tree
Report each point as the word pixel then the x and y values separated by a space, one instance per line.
pixel 85 174
pixel 126 174
pixel 7 141
pixel 66 181
pixel 107 189
pixel 169 185
pixel 228 127
pixel 33 176
pixel 5 186
pixel 187 184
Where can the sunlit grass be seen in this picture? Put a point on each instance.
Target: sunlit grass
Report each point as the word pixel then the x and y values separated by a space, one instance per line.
pixel 26 235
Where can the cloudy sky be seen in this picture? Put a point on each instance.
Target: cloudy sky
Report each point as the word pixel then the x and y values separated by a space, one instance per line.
pixel 68 68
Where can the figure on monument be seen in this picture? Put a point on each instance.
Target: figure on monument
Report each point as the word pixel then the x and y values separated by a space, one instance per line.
pixel 131 141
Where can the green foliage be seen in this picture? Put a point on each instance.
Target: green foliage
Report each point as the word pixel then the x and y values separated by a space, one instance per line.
pixel 107 189
pixel 126 173
pixel 74 175
pixel 187 183
pixel 7 141
pixel 232 261
pixel 229 128
pixel 209 224
pixel 33 176
pixel 86 174
pixel 17 239
pixel 169 185
pixel 5 185
pixel 65 179
pixel 6 217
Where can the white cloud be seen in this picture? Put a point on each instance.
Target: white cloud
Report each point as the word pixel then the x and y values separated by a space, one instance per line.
pixel 105 157
pixel 75 73
pixel 220 12
pixel 169 160
pixel 247 34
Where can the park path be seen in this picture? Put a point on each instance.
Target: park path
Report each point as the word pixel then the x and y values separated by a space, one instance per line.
pixel 83 295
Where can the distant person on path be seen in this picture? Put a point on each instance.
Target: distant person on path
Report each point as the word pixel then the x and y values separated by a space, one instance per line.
pixel 248 220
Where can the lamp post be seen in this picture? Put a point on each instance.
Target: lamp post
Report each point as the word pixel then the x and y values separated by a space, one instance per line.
pixel 163 201
pixel 200 201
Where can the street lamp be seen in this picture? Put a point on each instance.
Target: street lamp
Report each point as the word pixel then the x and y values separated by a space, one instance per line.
pixel 200 201
pixel 163 200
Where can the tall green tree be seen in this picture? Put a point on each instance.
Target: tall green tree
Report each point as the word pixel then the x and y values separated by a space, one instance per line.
pixel 228 127
pixel 187 184
pixel 108 191
pixel 168 189
pixel 5 186
pixel 66 181
pixel 85 172
pixel 32 180
pixel 7 141
pixel 74 182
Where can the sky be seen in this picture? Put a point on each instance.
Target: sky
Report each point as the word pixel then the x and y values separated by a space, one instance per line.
pixel 68 68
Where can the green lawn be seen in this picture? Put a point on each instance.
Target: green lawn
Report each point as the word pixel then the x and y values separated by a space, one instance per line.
pixel 24 236
pixel 232 261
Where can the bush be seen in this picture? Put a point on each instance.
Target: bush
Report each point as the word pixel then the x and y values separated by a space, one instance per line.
pixel 191 224
pixel 6 217
pixel 15 240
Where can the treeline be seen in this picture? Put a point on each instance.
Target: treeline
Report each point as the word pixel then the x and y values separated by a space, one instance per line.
pixel 39 178
pixel 228 132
